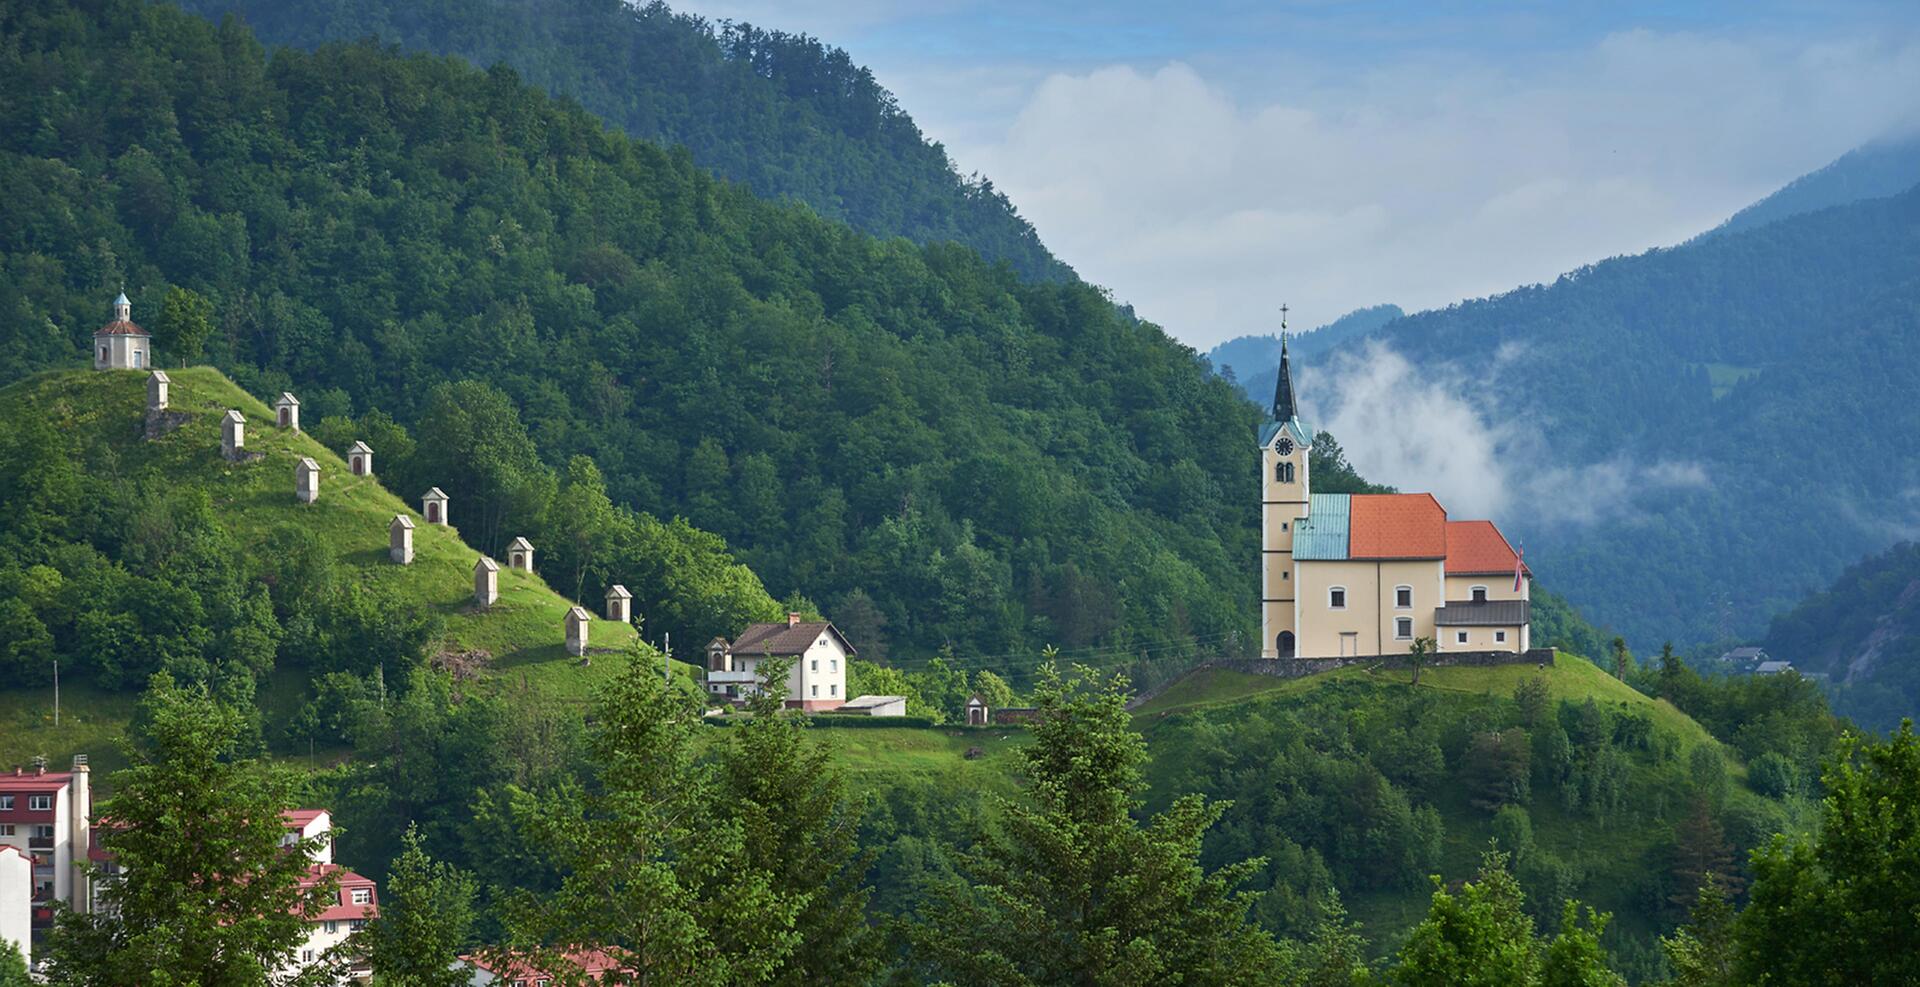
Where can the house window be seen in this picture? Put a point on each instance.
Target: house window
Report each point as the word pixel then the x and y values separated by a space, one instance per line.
pixel 816 691
pixel 1403 628
pixel 39 803
pixel 1403 597
pixel 306 956
pixel 6 829
pixel 1460 637
pixel 1479 594
pixel 833 664
pixel 833 690
pixel 823 642
pixel 43 832
pixel 6 802
pixel 816 665
pixel 1337 598
pixel 357 924
pixel 333 927
pixel 362 896
pixel 1499 637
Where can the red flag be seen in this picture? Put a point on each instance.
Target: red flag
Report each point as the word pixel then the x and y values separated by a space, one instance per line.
pixel 1519 568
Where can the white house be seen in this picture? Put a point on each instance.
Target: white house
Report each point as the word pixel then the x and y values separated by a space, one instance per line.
pixel 121 345
pixel 817 679
pixel 16 900
pixel 44 822
pixel 352 903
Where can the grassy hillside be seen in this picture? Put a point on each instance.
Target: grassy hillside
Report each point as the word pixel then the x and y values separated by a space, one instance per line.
pixel 1356 780
pixel 100 416
pixel 929 448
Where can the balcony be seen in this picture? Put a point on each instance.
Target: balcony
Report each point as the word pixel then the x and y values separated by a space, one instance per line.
pixel 732 678
pixel 39 842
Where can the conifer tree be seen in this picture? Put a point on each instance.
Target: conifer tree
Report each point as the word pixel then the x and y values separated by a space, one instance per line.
pixel 1701 952
pixel 426 917
pixel 13 966
pixel 800 826
pixel 651 872
pixel 208 891
pixel 1071 889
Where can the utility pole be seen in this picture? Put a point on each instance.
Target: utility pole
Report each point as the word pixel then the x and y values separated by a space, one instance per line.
pixel 56 692
pixel 666 660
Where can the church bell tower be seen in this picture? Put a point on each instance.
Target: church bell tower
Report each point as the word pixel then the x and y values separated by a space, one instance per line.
pixel 1284 446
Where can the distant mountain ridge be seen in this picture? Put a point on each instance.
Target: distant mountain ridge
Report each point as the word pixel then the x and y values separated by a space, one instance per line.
pixel 1255 360
pixel 1863 634
pixel 1733 413
pixel 1871 171
pixel 783 114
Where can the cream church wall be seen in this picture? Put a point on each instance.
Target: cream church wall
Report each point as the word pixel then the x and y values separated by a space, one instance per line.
pixel 1499 587
pixel 1482 638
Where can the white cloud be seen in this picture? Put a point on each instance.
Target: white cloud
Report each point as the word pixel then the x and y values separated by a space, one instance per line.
pixel 1429 429
pixel 1422 181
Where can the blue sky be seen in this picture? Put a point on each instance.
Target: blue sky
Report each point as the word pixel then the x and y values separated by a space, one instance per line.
pixel 1206 160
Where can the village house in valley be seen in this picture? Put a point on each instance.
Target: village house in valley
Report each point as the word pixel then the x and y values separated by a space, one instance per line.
pixel 1349 575
pixel 45 836
pixel 817 680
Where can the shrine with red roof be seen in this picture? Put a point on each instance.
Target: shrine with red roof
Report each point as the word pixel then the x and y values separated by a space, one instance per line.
pixel 1352 575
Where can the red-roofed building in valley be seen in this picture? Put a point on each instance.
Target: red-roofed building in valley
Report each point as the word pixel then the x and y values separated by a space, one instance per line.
pixel 485 971
pixel 44 819
pixel 1351 575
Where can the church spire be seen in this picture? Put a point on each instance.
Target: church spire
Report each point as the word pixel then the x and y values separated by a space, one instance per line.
pixel 1283 406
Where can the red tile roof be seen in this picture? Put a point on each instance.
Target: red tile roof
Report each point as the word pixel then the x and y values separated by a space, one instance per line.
pixel 595 963
pixel 120 327
pixel 342 908
pixel 301 818
pixel 1396 526
pixel 1478 548
pixel 29 782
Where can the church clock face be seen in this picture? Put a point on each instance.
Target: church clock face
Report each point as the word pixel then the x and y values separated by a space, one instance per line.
pixel 1284 447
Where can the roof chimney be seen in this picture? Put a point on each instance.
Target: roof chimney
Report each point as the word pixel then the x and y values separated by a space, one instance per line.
pixel 793 618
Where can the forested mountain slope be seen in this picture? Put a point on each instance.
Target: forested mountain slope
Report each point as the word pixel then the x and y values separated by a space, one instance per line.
pixel 1693 438
pixel 1254 361
pixel 132 549
pixel 935 450
pixel 1873 171
pixel 780 113
pixel 1863 633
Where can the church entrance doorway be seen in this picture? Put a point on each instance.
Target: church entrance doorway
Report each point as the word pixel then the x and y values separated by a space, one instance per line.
pixel 1284 644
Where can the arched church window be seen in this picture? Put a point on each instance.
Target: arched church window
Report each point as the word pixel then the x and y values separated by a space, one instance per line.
pixel 1283 472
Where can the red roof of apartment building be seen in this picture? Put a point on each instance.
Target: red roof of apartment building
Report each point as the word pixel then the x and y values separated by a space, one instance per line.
pixel 302 818
pixel 1477 548
pixel 1396 526
pixel 34 781
pixel 342 908
pixel 594 963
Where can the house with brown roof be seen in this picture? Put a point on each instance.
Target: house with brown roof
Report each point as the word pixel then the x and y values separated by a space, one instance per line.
pixel 816 679
pixel 1353 575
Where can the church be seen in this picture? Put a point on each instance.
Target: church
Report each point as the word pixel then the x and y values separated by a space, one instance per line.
pixel 1354 575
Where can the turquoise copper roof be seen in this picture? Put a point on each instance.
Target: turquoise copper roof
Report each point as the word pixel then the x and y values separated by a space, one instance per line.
pixel 1321 536
pixel 1302 435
